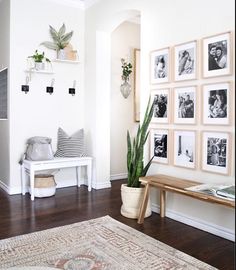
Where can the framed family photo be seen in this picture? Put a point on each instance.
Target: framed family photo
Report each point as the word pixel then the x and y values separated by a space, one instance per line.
pixel 217 55
pixel 216 103
pixel 159 145
pixel 215 152
pixel 161 101
pixel 185 148
pixel 185 61
pixel 185 101
pixel 160 66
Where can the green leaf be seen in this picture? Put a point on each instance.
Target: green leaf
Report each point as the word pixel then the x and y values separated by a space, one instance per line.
pixel 54 34
pixel 62 30
pixel 49 45
pixel 66 38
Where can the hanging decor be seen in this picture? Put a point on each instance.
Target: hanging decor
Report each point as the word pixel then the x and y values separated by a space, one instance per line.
pixel 125 87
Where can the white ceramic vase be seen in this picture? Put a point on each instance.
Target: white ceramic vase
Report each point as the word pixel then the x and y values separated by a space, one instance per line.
pixel 61 54
pixel 39 66
pixel 131 202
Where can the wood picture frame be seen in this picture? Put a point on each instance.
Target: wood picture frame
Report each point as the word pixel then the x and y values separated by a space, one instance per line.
pixel 215 154
pixel 184 154
pixel 137 85
pixel 216 103
pixel 161 99
pixel 217 55
pixel 186 61
pixel 185 105
pixel 159 145
pixel 160 66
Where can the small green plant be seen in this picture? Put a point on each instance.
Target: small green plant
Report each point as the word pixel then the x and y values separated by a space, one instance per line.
pixel 60 38
pixel 126 69
pixel 135 164
pixel 39 57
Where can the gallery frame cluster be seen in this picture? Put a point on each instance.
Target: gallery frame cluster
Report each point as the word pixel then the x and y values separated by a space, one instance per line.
pixel 178 105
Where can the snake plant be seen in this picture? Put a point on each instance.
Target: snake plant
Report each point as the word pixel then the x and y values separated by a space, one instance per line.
pixel 135 151
pixel 60 38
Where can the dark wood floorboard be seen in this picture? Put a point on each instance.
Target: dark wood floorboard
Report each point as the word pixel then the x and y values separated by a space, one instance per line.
pixel 19 215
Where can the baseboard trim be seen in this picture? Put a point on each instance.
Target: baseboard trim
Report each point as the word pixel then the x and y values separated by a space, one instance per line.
pixel 10 190
pixel 197 223
pixel 118 176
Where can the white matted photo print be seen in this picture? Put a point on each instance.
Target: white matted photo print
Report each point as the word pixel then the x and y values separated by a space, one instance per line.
pixel 185 148
pixel 159 66
pixel 216 104
pixel 161 101
pixel 185 101
pixel 159 146
pixel 215 152
pixel 217 55
pixel 185 57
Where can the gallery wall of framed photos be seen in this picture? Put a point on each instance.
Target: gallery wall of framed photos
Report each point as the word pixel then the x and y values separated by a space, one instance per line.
pixel 192 87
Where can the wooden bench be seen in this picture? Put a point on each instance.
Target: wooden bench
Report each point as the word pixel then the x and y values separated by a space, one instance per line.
pixel 30 167
pixel 171 184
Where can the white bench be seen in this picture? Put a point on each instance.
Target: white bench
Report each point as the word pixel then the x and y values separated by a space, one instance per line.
pixel 30 167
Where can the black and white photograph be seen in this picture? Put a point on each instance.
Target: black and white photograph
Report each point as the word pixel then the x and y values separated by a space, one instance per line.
pixel 161 105
pixel 186 61
pixel 216 55
pixel 185 105
pixel 215 152
pixel 159 66
pixel 184 148
pixel 159 145
pixel 216 103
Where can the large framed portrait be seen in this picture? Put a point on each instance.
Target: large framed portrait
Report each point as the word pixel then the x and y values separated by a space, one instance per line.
pixel 160 66
pixel 216 103
pixel 185 148
pixel 217 55
pixel 185 101
pixel 159 145
pixel 215 152
pixel 185 61
pixel 161 101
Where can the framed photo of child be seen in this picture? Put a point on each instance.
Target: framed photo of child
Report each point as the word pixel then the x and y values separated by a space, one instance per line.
pixel 217 55
pixel 185 61
pixel 161 112
pixel 160 66
pixel 215 152
pixel 159 145
pixel 216 103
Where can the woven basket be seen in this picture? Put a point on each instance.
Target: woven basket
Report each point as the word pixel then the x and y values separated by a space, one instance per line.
pixel 45 186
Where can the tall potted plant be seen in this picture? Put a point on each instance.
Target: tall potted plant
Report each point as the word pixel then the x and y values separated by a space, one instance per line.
pixel 132 192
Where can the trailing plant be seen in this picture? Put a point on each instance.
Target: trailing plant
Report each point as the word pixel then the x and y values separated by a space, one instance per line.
pixel 60 38
pixel 126 69
pixel 135 150
pixel 39 57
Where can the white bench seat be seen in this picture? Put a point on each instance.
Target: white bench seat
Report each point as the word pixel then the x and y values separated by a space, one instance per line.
pixel 30 167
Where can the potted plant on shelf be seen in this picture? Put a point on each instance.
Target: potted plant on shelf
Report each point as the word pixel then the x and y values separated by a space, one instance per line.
pixel 60 39
pixel 132 192
pixel 125 87
pixel 39 60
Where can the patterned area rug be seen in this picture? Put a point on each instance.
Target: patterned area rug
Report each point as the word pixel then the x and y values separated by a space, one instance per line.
pixel 97 244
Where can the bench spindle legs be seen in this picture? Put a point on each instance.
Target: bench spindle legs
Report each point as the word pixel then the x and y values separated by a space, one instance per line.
pixel 32 184
pixel 162 203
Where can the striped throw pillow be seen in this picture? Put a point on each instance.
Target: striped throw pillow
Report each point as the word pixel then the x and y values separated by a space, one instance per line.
pixel 70 146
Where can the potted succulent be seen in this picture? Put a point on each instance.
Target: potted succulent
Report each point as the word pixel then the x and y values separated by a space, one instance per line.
pixel 132 192
pixel 125 87
pixel 60 40
pixel 39 60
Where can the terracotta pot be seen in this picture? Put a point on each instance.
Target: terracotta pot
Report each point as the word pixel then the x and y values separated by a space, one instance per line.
pixel 131 202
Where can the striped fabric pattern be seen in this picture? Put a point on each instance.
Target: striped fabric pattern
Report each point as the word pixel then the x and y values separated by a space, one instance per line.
pixel 70 146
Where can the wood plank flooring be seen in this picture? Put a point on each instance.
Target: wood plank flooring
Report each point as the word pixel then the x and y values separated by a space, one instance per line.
pixel 19 215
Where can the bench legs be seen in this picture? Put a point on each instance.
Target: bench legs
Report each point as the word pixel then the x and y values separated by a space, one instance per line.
pixel 89 175
pixel 144 204
pixel 162 202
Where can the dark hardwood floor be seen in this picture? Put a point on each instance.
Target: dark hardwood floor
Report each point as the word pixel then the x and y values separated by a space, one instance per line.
pixel 19 215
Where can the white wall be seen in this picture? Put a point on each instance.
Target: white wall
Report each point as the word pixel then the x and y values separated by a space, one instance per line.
pixel 166 24
pixel 38 113
pixel 124 40
pixel 4 62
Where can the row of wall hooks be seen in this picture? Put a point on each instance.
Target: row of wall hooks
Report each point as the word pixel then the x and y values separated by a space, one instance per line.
pixel 49 89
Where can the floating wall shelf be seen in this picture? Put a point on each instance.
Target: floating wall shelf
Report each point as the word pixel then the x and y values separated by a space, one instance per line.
pixel 39 71
pixel 66 61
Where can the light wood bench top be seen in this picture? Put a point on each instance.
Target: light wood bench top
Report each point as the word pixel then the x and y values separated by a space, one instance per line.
pixel 176 185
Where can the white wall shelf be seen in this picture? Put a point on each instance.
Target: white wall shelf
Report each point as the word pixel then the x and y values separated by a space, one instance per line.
pixel 39 71
pixel 66 61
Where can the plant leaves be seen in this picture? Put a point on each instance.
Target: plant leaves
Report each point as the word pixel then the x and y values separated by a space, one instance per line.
pixel 66 38
pixel 49 45
pixel 54 34
pixel 62 30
